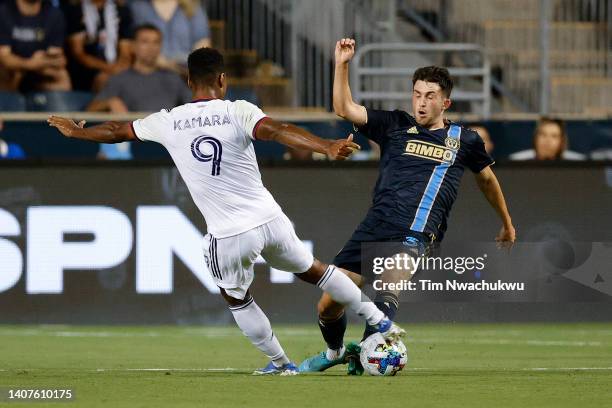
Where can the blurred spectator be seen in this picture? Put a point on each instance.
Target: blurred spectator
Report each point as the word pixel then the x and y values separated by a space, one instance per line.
pixel 31 41
pixel 484 135
pixel 183 24
pixel 10 150
pixel 143 87
pixel 99 41
pixel 549 143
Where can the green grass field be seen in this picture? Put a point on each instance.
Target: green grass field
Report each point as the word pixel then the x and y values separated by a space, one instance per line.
pixel 498 365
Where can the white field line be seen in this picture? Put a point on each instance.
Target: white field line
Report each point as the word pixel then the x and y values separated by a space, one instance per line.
pixel 568 369
pixel 214 333
pixel 509 369
pixel 66 333
pixel 231 369
pixel 100 370
pixel 530 342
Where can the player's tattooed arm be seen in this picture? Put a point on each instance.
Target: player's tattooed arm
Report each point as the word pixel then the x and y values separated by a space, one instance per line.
pixel 107 132
pixel 489 185
pixel 344 106
pixel 298 138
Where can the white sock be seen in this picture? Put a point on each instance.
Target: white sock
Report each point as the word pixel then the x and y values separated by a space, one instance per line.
pixel 344 291
pixel 331 354
pixel 255 325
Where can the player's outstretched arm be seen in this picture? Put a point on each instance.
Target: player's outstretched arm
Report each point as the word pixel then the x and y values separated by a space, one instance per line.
pixel 298 138
pixel 489 185
pixel 344 106
pixel 107 132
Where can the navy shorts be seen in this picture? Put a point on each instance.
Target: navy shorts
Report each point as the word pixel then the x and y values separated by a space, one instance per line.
pixel 372 230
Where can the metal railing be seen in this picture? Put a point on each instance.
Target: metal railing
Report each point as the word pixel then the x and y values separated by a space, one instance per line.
pixel 532 57
pixel 384 86
pixel 254 25
pixel 315 26
pixel 300 35
pixel 540 51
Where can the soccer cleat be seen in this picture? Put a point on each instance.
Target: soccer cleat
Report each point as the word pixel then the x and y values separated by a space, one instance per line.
pixel 352 354
pixel 390 330
pixel 319 362
pixel 354 366
pixel 271 369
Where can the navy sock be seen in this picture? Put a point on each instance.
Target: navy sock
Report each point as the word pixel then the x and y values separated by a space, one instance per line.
pixel 333 331
pixel 388 303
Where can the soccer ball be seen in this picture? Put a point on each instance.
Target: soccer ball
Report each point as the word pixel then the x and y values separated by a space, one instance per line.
pixel 382 357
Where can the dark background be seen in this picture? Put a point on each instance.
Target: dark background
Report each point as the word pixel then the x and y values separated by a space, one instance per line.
pixel 563 203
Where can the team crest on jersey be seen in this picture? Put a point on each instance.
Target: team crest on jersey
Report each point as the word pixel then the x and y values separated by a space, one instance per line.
pixel 413 131
pixel 430 151
pixel 451 143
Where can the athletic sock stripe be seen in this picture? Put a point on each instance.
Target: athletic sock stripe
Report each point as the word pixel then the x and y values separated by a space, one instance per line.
pixel 332 270
pixel 324 322
pixel 247 304
pixel 326 276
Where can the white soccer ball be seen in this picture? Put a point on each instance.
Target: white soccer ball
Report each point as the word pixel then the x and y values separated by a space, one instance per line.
pixel 382 357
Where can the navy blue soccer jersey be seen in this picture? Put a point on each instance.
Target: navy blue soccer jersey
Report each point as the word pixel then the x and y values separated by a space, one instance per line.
pixel 420 170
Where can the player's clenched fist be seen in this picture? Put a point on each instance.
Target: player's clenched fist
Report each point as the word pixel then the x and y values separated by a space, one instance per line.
pixel 341 149
pixel 345 49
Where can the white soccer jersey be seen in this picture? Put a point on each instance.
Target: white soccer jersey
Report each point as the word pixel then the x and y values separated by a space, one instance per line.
pixel 211 143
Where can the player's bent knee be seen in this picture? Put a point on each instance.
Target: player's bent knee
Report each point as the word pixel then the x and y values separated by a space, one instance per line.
pixel 232 301
pixel 315 273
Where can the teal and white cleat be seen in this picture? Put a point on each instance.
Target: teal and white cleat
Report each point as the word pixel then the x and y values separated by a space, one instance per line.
pixel 271 369
pixel 320 363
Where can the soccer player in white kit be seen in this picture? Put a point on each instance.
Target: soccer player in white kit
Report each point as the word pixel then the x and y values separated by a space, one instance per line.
pixel 211 142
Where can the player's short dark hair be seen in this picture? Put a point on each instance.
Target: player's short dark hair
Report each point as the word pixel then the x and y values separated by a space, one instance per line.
pixel 146 27
pixel 435 74
pixel 205 65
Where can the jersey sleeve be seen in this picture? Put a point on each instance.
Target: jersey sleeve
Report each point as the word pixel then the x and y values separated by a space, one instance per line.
pixel 379 123
pixel 153 128
pixel 248 117
pixel 477 157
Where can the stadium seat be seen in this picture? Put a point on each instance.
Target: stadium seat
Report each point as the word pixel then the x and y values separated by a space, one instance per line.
pixel 58 101
pixel 12 102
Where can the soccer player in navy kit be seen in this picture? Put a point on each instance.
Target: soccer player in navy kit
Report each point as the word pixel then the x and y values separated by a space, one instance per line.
pixel 423 158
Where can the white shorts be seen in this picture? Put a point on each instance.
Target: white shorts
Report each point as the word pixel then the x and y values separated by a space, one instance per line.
pixel 231 260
